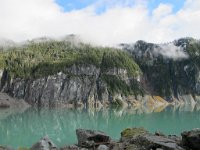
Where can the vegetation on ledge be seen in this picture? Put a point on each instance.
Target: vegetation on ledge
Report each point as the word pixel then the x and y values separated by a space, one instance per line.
pixel 38 59
pixel 117 85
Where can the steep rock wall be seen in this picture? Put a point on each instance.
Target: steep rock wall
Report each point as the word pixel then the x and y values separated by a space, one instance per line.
pixel 82 84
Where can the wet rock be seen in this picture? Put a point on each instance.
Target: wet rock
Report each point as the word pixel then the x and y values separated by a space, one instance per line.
pixel 153 142
pixel 191 139
pixel 44 144
pixel 90 137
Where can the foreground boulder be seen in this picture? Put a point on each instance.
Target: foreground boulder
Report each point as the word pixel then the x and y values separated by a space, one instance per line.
pixel 89 138
pixel 141 139
pixel 191 139
pixel 149 141
pixel 44 144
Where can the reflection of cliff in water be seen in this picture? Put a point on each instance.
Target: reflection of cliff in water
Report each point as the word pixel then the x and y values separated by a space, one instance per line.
pixel 4 113
pixel 60 124
pixel 119 111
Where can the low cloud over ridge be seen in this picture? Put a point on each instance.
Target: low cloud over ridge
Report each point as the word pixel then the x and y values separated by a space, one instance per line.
pixel 27 19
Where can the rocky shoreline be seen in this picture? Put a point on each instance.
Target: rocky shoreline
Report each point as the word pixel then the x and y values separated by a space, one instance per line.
pixel 131 139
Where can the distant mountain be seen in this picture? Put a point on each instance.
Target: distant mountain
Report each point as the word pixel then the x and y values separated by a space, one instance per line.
pixel 48 72
pixel 6 43
pixel 170 70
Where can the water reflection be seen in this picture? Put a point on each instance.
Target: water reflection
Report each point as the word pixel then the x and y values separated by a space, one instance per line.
pixel 25 127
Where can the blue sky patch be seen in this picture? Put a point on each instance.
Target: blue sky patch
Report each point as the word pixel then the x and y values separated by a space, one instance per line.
pixel 69 5
pixel 177 4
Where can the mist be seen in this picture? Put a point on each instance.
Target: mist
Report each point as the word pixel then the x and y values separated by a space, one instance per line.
pixel 171 51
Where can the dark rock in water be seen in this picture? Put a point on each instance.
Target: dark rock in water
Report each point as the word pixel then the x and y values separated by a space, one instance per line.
pixel 147 142
pixel 191 139
pixel 44 144
pixel 87 138
pixel 158 133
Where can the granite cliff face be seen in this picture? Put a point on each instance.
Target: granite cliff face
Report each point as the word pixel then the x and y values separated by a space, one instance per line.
pixel 80 85
pixel 140 73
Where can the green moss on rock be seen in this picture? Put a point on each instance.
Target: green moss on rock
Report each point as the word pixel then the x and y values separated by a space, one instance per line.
pixel 130 132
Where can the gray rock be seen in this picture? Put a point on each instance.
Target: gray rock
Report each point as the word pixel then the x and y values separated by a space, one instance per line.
pixel 191 139
pixel 5 148
pixel 44 144
pixel 86 137
pixel 152 142
pixel 158 133
pixel 102 147
pixel 177 139
pixel 78 83
pixel 71 147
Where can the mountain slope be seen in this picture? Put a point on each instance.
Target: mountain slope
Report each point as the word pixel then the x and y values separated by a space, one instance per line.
pixel 45 73
pixel 170 70
pixel 51 73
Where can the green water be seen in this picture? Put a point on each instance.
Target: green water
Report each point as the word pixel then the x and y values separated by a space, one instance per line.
pixel 25 128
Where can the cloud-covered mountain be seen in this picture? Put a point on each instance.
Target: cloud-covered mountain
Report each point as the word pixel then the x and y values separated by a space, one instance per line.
pixel 48 72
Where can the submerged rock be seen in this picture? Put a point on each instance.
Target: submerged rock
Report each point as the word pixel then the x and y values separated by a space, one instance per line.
pixel 87 138
pixel 44 144
pixel 191 139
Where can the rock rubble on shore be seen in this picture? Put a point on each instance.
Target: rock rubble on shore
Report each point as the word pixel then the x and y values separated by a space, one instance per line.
pixel 131 139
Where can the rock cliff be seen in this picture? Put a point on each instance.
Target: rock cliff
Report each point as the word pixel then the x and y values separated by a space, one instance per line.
pixel 57 73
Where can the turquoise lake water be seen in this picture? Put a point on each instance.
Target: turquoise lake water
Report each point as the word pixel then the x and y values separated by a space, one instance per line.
pixel 24 128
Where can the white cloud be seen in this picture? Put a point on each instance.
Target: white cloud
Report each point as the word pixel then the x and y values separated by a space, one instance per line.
pixel 27 19
pixel 162 10
pixel 171 51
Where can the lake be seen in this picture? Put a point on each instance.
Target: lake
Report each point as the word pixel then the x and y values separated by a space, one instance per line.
pixel 25 127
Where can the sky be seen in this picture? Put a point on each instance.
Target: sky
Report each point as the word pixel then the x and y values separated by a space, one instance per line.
pixel 102 22
pixel 69 5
